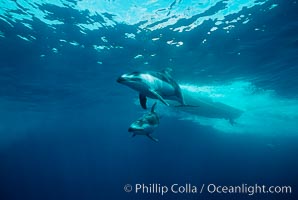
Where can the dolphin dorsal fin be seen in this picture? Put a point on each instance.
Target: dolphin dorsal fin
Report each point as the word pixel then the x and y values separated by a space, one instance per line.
pixel 167 70
pixel 153 107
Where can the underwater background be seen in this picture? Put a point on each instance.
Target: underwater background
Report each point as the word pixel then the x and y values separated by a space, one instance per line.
pixel 64 118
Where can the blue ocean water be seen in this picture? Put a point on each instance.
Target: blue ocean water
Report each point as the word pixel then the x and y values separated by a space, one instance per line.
pixel 64 118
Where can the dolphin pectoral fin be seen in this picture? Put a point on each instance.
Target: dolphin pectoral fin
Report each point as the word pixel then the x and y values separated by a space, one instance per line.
pixel 159 97
pixel 143 100
pixel 152 138
pixel 133 135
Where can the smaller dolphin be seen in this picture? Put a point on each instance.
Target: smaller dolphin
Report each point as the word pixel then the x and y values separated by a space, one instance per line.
pixel 155 85
pixel 146 124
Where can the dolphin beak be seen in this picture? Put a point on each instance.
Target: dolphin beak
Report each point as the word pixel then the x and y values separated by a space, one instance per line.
pixel 121 79
pixel 130 129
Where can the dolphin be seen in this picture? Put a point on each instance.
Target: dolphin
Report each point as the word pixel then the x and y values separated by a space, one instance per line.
pixel 146 124
pixel 155 85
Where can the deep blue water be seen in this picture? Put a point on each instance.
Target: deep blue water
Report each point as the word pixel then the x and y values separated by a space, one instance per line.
pixel 64 118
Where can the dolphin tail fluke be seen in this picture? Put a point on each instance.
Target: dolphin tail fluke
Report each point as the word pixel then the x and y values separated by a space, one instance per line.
pixel 152 138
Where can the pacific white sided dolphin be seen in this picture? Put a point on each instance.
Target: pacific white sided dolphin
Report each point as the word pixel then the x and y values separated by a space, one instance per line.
pixel 146 124
pixel 155 85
